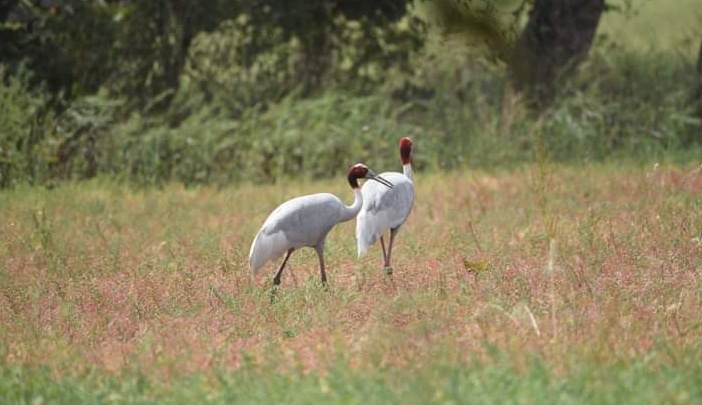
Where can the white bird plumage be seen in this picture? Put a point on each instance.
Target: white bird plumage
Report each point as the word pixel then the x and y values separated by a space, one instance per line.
pixel 306 221
pixel 386 209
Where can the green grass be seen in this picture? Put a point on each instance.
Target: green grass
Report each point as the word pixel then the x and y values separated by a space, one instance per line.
pixel 656 24
pixel 639 381
pixel 115 295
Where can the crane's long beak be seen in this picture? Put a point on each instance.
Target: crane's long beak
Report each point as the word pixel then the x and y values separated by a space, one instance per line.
pixel 380 180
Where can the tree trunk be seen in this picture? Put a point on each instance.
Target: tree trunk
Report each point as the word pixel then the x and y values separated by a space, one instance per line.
pixel 557 37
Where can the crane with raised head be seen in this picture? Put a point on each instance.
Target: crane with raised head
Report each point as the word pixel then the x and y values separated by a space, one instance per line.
pixel 306 221
pixel 386 209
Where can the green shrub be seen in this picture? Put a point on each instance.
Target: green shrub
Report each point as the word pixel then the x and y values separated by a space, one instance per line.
pixel 204 148
pixel 22 116
pixel 40 144
pixel 458 108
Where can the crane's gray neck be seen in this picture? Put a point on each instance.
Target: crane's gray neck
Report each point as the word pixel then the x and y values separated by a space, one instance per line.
pixel 350 211
pixel 407 170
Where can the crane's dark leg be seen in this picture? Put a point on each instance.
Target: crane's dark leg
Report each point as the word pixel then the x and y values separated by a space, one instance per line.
pixel 320 253
pixel 276 278
pixel 385 255
pixel 388 266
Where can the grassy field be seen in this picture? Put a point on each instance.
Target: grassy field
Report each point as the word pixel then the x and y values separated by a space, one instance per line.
pixel 546 284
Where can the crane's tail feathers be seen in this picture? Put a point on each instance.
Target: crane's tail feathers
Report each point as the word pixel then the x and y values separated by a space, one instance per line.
pixel 364 236
pixel 265 247
pixel 257 255
pixel 254 266
pixel 362 247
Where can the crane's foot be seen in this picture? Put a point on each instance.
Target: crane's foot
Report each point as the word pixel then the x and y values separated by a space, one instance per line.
pixel 273 295
pixel 388 270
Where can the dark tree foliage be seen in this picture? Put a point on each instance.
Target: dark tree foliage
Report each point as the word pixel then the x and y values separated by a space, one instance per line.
pixel 138 48
pixel 312 22
pixel 557 37
pixel 153 44
pixel 77 67
pixel 28 33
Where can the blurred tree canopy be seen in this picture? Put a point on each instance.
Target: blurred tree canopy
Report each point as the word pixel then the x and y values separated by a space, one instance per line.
pixel 138 49
pixel 556 37
pixel 74 70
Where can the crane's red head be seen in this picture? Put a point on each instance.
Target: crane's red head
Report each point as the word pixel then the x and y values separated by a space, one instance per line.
pixel 361 171
pixel 405 150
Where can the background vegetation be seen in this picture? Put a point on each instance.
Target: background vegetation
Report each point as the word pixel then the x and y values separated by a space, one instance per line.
pixel 220 91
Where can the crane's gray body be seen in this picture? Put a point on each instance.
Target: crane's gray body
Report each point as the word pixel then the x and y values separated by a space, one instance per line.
pixel 302 221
